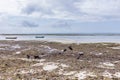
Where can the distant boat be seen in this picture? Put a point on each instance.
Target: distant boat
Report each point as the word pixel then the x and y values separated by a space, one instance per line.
pixel 10 37
pixel 39 37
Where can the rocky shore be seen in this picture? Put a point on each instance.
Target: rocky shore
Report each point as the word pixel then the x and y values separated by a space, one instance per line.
pixel 42 60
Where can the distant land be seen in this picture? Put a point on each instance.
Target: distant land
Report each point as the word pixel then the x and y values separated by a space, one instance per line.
pixel 70 34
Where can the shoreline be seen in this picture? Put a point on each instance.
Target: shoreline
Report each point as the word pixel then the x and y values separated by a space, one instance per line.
pixel 66 41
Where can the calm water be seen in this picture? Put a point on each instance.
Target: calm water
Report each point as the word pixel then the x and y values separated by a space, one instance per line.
pixel 78 38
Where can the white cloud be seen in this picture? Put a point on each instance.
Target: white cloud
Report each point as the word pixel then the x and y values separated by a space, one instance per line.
pixel 99 7
pixel 83 10
pixel 15 14
pixel 9 6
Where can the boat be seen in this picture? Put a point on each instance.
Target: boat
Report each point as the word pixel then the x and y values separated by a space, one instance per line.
pixel 39 37
pixel 10 37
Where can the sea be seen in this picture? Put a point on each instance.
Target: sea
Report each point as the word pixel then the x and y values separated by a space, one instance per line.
pixel 78 38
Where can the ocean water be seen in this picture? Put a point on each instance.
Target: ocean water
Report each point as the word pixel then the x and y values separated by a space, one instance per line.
pixel 76 38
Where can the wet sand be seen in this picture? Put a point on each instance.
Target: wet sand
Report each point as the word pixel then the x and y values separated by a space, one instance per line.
pixel 42 60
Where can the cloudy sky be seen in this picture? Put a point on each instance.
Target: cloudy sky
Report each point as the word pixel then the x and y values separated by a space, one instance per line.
pixel 59 16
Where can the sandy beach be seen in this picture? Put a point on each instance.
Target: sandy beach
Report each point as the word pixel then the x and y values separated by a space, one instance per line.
pixel 46 60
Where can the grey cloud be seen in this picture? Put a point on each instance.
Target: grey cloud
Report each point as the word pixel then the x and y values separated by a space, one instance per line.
pixel 54 5
pixel 99 7
pixel 31 8
pixel 29 24
pixel 61 24
pixel 68 5
pixel 81 10
pixel 59 9
pixel 0 14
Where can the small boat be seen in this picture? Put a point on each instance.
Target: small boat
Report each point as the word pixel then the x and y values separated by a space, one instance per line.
pixel 10 37
pixel 39 37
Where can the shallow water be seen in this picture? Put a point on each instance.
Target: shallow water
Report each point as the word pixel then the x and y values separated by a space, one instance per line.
pixel 78 38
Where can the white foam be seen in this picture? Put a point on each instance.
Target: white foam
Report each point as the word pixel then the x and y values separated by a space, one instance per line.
pixel 64 41
pixel 70 41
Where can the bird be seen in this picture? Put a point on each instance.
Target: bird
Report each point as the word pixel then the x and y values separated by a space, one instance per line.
pixel 28 56
pixel 70 47
pixel 36 57
pixel 64 50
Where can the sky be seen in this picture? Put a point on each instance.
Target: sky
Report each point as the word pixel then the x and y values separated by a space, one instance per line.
pixel 59 16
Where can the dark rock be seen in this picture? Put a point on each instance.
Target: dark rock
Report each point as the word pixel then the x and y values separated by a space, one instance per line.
pixel 60 53
pixel 70 47
pixel 80 54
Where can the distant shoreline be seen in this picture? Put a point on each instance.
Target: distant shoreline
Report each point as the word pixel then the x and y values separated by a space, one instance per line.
pixel 69 34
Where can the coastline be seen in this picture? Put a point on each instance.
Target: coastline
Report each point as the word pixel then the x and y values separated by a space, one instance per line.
pixel 70 41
